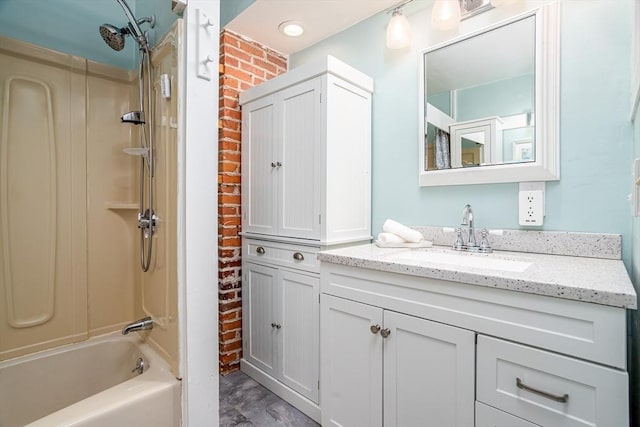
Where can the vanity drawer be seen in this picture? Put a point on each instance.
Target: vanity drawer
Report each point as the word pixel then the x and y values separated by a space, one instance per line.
pixel 549 389
pixel 486 416
pixel 286 255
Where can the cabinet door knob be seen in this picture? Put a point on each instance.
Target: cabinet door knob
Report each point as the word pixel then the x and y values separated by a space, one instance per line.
pixel 260 250
pixel 385 332
pixel 374 329
pixel 298 256
pixel 273 165
pixel 275 325
pixel 278 164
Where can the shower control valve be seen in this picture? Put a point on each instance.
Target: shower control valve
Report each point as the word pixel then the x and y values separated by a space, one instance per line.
pixel 147 221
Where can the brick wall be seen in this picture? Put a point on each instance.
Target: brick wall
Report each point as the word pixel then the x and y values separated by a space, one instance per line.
pixel 244 64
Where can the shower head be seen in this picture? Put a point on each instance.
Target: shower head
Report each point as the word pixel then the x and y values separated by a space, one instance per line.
pixel 113 36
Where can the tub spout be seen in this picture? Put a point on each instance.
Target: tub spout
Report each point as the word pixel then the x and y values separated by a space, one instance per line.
pixel 138 325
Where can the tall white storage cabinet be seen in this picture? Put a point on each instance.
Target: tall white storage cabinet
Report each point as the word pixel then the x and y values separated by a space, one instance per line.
pixel 306 185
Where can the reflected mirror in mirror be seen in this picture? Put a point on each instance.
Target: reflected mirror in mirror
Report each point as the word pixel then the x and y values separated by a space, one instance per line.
pixel 480 99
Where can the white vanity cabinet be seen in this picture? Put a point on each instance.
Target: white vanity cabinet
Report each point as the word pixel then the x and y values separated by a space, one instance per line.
pixel 306 186
pixel 463 355
pixel 306 154
pixel 281 315
pixel 427 368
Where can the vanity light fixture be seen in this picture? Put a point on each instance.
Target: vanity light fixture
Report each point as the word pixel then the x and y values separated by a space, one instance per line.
pixel 445 15
pixel 398 30
pixel 291 28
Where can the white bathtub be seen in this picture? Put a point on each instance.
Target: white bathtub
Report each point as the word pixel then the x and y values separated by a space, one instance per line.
pixel 90 385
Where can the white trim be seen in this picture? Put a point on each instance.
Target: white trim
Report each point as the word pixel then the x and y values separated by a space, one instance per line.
pixel 439 118
pixel 546 167
pixel 197 232
pixel 635 61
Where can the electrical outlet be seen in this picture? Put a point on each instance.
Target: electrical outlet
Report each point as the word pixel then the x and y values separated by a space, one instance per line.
pixel 531 207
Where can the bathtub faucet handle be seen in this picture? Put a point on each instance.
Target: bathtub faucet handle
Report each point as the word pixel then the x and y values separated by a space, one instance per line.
pixel 139 366
pixel 139 325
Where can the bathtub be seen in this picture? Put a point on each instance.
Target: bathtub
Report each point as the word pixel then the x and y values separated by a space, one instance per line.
pixel 90 385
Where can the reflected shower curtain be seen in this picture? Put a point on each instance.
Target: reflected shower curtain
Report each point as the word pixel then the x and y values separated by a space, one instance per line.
pixel 443 160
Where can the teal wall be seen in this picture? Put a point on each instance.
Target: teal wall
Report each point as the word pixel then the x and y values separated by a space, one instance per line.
pixel 634 317
pixel 596 133
pixel 229 9
pixel 71 26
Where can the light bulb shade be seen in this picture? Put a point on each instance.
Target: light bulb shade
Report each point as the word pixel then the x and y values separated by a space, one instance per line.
pixel 445 15
pixel 398 31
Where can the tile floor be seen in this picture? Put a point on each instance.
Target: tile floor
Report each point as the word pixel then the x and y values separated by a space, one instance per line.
pixel 244 402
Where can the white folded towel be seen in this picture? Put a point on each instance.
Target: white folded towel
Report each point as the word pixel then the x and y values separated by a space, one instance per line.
pixel 408 234
pixel 390 238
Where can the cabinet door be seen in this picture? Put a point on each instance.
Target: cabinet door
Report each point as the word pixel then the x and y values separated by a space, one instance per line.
pixel 259 167
pixel 299 161
pixel 258 317
pixel 429 373
pixel 487 416
pixel 351 359
pixel 298 339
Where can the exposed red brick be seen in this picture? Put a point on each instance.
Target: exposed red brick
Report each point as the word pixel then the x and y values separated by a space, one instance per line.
pixel 233 242
pixel 231 179
pixel 265 65
pixel 245 64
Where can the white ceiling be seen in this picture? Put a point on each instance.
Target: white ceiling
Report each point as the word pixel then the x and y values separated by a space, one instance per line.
pixel 320 18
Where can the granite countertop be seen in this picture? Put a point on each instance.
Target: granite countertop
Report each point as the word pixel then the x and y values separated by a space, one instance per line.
pixel 594 280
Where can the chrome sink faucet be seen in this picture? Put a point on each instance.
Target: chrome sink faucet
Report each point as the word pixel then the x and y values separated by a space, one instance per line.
pixel 471 245
pixel 467 221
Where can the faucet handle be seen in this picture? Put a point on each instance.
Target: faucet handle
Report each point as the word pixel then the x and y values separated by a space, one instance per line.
pixel 484 242
pixel 458 245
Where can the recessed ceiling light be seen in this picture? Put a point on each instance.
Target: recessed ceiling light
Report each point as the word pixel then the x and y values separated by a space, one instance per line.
pixel 291 28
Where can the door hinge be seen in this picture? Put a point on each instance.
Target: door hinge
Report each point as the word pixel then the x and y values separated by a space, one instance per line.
pixel 318 298
pixel 319 218
pixel 320 98
pixel 318 384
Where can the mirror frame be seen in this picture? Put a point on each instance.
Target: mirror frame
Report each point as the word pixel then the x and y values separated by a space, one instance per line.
pixel 546 166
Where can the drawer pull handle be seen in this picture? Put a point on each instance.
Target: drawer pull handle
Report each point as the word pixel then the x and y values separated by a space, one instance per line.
pixel 554 397
pixel 374 329
pixel 298 256
pixel 275 325
pixel 385 332
pixel 260 250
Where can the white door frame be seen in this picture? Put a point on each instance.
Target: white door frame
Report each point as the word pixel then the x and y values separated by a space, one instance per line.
pixel 197 213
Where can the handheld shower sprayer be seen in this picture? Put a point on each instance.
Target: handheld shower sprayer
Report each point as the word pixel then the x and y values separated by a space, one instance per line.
pixel 115 37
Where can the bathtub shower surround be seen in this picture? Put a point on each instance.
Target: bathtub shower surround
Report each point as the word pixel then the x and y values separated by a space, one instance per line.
pixel 69 247
pixel 95 383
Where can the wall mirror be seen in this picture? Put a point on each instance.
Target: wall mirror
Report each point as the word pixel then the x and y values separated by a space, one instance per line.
pixel 489 103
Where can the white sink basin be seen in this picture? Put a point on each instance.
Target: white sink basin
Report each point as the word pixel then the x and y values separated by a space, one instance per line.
pixel 463 259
